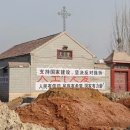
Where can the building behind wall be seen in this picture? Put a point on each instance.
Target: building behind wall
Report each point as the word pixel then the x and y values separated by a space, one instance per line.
pixel 19 64
pixel 119 63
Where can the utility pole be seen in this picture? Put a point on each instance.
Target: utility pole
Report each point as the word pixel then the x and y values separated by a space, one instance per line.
pixel 64 14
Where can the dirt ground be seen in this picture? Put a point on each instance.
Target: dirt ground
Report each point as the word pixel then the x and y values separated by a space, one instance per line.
pixel 75 109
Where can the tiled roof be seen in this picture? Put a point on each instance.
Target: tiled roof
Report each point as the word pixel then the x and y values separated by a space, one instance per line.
pixel 26 48
pixel 119 57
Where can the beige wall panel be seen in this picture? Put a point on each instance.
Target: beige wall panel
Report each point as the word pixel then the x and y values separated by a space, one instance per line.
pixel 46 56
pixel 19 80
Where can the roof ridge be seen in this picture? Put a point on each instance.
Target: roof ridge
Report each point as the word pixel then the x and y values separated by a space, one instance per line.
pixel 38 39
pixel 26 47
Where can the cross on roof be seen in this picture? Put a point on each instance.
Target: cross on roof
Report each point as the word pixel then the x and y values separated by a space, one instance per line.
pixel 64 15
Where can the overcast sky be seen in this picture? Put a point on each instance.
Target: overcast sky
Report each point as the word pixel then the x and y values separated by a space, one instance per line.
pixel 90 22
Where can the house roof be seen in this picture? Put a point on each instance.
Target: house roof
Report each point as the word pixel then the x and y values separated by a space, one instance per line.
pixel 118 57
pixel 26 48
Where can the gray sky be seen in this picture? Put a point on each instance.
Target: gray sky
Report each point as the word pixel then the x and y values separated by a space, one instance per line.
pixel 90 22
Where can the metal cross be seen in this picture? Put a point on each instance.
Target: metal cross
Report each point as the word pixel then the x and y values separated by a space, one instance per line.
pixel 64 15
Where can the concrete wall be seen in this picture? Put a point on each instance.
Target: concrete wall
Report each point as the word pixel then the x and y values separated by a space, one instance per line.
pixel 19 80
pixel 46 56
pixel 107 78
pixel 13 76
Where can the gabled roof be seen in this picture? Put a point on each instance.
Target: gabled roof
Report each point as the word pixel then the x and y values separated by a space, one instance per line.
pixel 118 57
pixel 26 48
pixel 81 46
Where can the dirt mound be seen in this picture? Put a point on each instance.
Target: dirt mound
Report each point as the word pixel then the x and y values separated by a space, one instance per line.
pixel 75 109
pixel 125 101
pixel 70 93
pixel 9 120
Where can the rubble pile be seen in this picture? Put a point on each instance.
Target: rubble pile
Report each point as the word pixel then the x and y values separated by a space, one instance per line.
pixel 15 103
pixel 9 120
pixel 75 109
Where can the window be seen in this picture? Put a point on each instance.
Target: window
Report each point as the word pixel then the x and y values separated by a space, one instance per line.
pixel 64 54
pixel 5 70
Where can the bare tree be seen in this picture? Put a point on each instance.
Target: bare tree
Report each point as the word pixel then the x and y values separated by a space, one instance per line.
pixel 121 30
pixel 127 32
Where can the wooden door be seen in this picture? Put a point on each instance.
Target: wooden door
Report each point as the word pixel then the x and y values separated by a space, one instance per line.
pixel 121 81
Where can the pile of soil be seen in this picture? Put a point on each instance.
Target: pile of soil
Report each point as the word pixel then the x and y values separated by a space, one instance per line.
pixel 75 109
pixel 9 120
pixel 73 93
pixel 125 101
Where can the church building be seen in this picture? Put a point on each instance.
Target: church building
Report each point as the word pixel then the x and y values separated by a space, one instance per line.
pixel 29 68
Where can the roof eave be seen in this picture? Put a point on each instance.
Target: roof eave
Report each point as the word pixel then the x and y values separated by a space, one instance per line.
pixel 14 56
pixel 118 61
